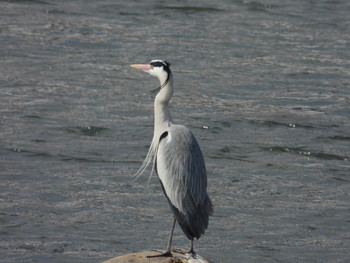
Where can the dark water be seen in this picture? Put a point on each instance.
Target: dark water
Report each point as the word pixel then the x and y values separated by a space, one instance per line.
pixel 264 85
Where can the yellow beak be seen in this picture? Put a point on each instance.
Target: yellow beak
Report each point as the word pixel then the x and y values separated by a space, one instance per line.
pixel 142 66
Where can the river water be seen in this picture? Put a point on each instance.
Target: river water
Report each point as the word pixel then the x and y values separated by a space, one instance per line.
pixel 264 86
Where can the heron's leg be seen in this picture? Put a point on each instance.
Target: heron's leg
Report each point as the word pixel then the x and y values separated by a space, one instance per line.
pixel 191 251
pixel 168 249
pixel 167 253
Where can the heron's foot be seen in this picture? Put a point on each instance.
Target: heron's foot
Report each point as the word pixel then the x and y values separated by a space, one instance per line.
pixel 165 254
pixel 192 253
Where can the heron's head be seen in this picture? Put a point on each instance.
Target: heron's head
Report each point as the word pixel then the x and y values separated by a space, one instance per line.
pixel 157 68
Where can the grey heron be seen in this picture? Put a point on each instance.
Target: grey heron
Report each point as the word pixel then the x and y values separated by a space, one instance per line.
pixel 178 161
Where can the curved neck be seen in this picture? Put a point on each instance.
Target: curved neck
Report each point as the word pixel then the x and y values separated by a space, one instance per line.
pixel 162 117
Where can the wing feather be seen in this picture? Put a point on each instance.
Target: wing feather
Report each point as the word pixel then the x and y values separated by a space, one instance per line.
pixel 181 169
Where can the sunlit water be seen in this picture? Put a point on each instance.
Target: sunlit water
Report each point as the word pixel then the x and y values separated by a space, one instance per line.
pixel 264 85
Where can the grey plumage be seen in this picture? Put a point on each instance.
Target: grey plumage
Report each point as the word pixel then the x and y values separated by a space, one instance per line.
pixel 181 169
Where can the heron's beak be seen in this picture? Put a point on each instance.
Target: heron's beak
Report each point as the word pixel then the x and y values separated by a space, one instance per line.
pixel 143 67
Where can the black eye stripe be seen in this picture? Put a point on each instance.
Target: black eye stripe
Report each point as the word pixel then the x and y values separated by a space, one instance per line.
pixel 159 64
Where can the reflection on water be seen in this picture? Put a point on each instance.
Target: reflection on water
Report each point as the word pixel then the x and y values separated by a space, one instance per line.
pixel 262 84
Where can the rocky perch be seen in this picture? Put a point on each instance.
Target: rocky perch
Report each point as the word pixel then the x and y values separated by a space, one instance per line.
pixel 141 257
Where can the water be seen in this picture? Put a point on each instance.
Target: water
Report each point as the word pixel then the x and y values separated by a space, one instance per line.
pixel 264 85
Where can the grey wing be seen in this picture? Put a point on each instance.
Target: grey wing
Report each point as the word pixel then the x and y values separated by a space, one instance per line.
pixel 181 169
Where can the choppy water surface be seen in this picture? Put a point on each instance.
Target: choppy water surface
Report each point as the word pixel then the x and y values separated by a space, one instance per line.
pixel 264 85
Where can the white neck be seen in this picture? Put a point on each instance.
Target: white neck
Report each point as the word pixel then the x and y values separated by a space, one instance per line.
pixel 162 120
pixel 162 117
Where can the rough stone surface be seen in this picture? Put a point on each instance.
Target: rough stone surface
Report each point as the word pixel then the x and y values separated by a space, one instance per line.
pixel 141 257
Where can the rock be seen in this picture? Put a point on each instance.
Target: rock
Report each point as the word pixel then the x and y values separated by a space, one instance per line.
pixel 141 257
